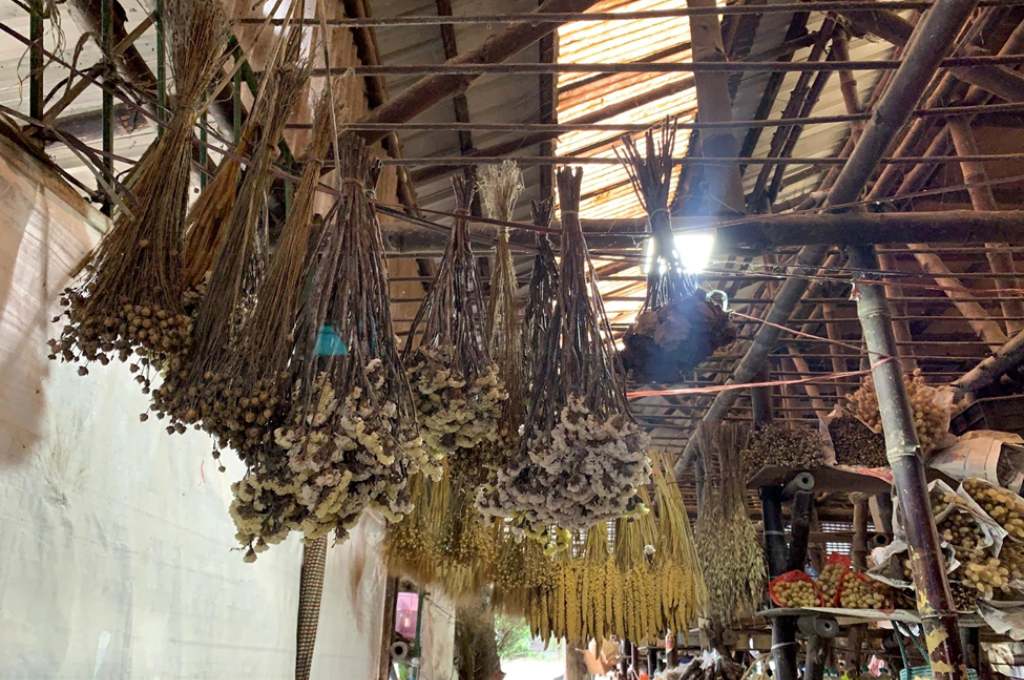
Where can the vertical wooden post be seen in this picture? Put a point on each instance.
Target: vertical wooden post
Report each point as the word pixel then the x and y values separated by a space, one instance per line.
pixel 161 82
pixel 859 553
pixel 934 602
pixel 107 44
pixel 35 60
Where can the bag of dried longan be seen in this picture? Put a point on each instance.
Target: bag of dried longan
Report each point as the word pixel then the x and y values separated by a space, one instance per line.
pixel 858 591
pixel 831 578
pixel 794 589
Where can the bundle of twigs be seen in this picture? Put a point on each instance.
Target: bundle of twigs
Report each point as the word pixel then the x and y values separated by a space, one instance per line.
pixel 500 186
pixel 351 439
pixel 196 386
pixel 543 290
pixel 677 327
pixel 458 391
pixel 130 297
pixel 584 458
pixel 728 544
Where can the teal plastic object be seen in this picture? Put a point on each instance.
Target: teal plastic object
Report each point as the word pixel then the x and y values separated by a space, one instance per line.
pixel 915 672
pixel 329 344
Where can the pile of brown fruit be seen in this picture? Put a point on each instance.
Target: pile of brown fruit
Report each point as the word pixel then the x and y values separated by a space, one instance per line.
pixel 1002 505
pixel 861 592
pixel 784 446
pixel 931 420
pixel 856 444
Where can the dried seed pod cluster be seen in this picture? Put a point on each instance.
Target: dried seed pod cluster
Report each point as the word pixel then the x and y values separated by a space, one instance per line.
pixel 795 593
pixel 129 299
pixel 931 418
pixel 677 328
pixel 585 457
pixel 782 445
pixel 458 414
pixel 861 592
pixel 1002 505
pixel 856 444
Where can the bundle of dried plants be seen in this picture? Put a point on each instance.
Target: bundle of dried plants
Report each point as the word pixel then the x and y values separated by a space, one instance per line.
pixel 458 391
pixel 197 387
pixel 351 440
pixel 543 290
pixel 129 299
pixel 677 327
pixel 583 458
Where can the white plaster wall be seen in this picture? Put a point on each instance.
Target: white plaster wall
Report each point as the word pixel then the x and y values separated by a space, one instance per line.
pixel 115 542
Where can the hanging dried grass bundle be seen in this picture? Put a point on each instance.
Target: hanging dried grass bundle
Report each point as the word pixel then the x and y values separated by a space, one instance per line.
pixel 680 583
pixel 196 385
pixel 500 186
pixel 543 295
pixel 351 440
pixel 130 298
pixel 585 458
pixel 458 391
pixel 677 327
pixel 522 573
pixel 727 542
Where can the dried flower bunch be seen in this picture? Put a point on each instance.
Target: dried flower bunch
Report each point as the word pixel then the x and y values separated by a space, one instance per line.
pixel 783 445
pixel 583 458
pixel 351 440
pixel 500 186
pixel 727 542
pixel 677 328
pixel 543 291
pixel 931 419
pixel 130 298
pixel 198 387
pixel 458 391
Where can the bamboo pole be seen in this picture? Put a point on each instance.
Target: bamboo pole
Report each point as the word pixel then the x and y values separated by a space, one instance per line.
pixel 35 62
pixel 932 39
pixel 934 602
pixel 982 198
pixel 991 369
pixel 499 46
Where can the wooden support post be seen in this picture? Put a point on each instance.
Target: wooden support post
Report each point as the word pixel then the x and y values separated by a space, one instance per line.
pixel 982 198
pixel 859 555
pixel 935 604
pixel 387 628
pixel 35 60
pixel 107 46
pixel 161 83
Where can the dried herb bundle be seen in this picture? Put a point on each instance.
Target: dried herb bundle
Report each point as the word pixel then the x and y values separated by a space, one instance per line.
pixel 352 439
pixel 727 542
pixel 196 385
pixel 500 186
pixel 543 295
pixel 584 458
pixel 458 391
pixel 676 328
pixel 130 298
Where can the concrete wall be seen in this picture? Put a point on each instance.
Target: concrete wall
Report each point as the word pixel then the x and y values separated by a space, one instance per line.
pixel 115 542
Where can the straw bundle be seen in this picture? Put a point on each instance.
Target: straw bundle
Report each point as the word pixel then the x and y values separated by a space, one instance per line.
pixel 586 456
pixel 351 439
pixel 727 542
pixel 130 298
pixel 196 385
pixel 676 328
pixel 458 391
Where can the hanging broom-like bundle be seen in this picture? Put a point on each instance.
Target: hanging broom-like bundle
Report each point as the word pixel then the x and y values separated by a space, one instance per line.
pixel 677 327
pixel 500 186
pixel 458 391
pixel 351 440
pixel 196 385
pixel 130 298
pixel 543 290
pixel 727 542
pixel 677 574
pixel 585 457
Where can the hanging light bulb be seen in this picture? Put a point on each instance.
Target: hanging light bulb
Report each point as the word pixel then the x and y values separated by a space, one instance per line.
pixel 693 248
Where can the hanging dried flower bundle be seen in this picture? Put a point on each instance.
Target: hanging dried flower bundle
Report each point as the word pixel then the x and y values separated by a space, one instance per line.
pixel 500 186
pixel 677 327
pixel 727 542
pixel 196 385
pixel 351 440
pixel 130 298
pixel 543 290
pixel 583 458
pixel 458 391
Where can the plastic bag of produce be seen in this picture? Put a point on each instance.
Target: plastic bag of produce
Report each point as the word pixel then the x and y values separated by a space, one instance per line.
pixel 996 457
pixel 859 591
pixel 794 589
pixel 931 408
pixel 893 568
pixel 830 579
pixel 1005 507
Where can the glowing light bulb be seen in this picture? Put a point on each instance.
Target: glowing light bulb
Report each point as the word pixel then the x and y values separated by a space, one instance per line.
pixel 693 248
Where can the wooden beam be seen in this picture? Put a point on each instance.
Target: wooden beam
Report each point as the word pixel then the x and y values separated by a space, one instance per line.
pixel 499 46
pixel 991 369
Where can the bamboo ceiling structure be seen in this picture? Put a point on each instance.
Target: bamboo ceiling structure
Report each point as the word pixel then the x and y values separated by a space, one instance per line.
pixel 774 102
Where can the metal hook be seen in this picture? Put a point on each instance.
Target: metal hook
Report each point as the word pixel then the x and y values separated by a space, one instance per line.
pixel 711 294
